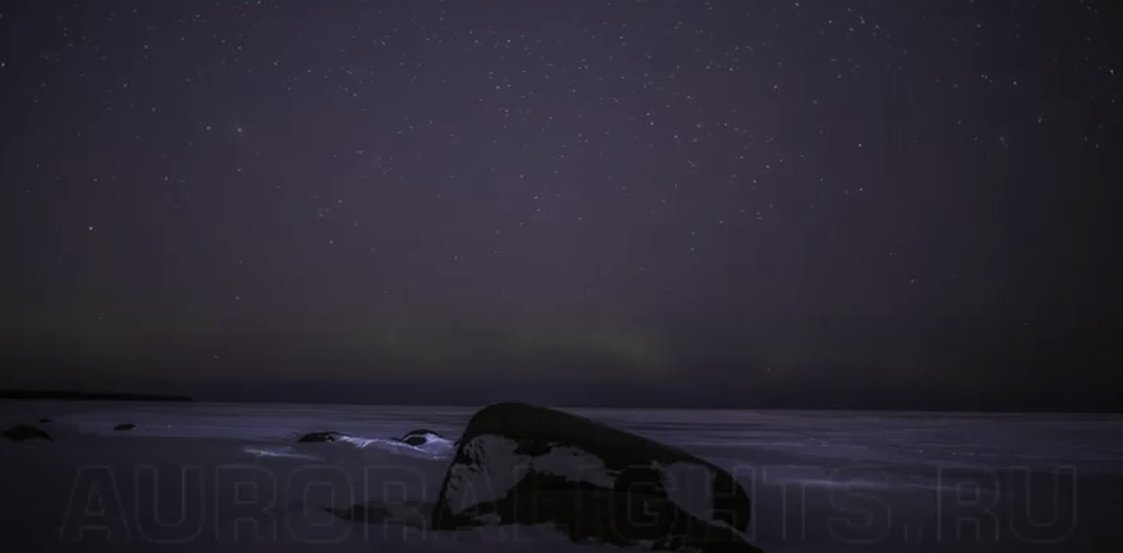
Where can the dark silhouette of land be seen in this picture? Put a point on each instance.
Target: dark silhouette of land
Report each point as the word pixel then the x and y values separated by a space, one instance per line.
pixel 86 396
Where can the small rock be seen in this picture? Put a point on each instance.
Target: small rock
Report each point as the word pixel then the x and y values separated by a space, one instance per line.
pixel 418 437
pixel 124 426
pixel 321 437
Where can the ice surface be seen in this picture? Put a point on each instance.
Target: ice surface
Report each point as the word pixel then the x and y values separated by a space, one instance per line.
pixel 231 477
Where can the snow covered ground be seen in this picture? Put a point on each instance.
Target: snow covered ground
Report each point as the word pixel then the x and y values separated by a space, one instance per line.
pixel 232 477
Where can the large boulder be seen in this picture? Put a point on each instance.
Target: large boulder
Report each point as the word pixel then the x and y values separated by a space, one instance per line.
pixel 521 464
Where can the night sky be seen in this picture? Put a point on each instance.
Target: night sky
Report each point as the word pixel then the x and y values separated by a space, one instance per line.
pixel 722 203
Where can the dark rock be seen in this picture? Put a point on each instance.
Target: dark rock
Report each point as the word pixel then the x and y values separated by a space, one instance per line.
pixel 520 464
pixel 321 437
pixel 46 421
pixel 24 432
pixel 414 440
pixel 417 437
pixel 124 426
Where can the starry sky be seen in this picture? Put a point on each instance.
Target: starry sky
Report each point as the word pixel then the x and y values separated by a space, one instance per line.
pixel 698 203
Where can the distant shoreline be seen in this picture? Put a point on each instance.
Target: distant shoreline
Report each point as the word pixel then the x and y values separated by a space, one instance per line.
pixel 87 396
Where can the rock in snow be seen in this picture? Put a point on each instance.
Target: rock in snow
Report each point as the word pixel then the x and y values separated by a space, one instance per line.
pixel 24 432
pixel 521 464
pixel 321 437
pixel 420 437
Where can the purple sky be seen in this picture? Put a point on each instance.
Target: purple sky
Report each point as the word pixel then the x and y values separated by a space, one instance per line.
pixel 729 197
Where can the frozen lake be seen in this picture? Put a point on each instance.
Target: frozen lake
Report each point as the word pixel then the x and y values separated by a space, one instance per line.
pixel 230 477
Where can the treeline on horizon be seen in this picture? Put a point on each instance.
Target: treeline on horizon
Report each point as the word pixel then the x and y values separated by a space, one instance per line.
pixel 86 396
